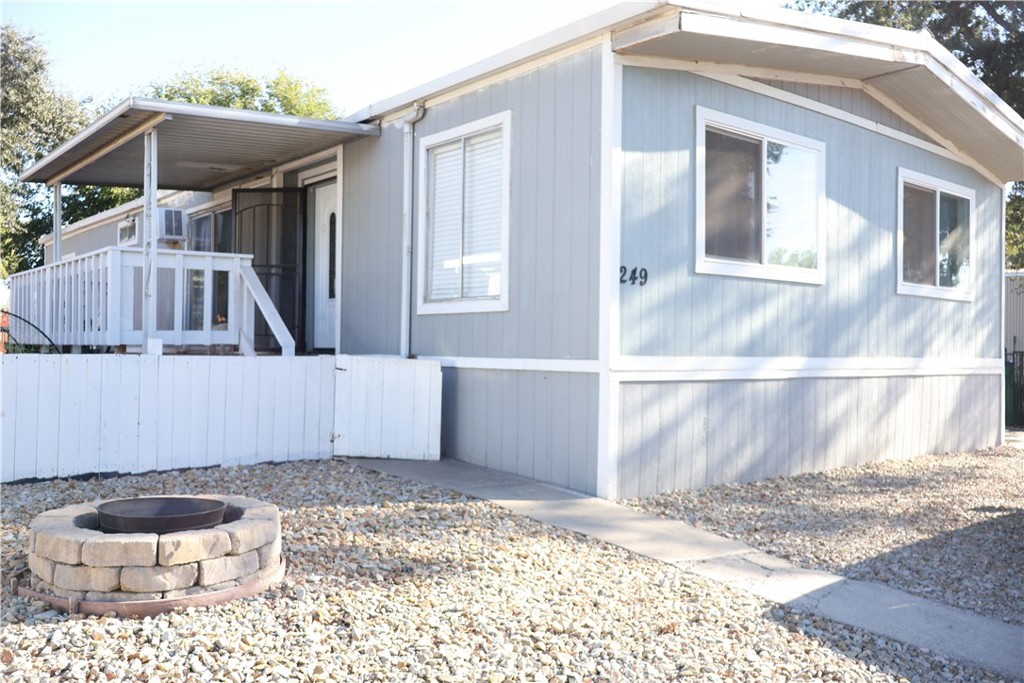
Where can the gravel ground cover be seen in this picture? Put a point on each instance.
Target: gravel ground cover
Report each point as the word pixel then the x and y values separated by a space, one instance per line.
pixel 945 527
pixel 391 580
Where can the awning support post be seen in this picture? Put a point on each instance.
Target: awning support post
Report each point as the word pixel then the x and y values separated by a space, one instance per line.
pixel 150 341
pixel 57 220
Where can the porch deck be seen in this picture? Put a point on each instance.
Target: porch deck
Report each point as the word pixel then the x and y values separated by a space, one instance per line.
pixel 97 299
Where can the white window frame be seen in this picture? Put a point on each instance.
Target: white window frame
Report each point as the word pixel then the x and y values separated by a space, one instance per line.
pixel 502 120
pixel 203 212
pixel 908 177
pixel 711 265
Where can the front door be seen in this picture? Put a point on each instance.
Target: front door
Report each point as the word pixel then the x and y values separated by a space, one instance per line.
pixel 325 237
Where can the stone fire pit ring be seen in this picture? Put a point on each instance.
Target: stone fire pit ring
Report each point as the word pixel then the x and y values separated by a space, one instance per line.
pixel 76 567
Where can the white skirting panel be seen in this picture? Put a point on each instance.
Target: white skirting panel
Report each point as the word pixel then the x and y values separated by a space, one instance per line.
pixel 79 414
pixel 388 407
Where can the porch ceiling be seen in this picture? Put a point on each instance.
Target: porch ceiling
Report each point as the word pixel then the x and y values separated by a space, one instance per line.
pixel 908 70
pixel 199 147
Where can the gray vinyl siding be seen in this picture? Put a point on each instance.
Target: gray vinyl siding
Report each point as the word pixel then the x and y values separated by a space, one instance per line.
pixel 857 312
pixel 554 217
pixel 371 261
pixel 83 242
pixel 688 435
pixel 541 425
pixel 849 100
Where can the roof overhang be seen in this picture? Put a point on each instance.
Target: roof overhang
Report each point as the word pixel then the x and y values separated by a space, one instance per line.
pixel 199 147
pixel 908 72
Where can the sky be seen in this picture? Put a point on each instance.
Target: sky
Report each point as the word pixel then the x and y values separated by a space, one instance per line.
pixel 361 52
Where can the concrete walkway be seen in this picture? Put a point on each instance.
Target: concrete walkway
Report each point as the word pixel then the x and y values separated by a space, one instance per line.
pixel 955 633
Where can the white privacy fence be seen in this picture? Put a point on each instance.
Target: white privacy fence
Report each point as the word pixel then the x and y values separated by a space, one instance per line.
pixel 65 415
pixel 96 299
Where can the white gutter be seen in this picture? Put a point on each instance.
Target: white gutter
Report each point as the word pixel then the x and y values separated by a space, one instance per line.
pixel 409 172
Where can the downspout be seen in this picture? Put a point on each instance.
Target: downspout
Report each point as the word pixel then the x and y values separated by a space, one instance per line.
pixel 409 125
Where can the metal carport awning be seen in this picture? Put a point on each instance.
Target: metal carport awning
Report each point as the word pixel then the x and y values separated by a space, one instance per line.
pixel 201 147
pixel 156 144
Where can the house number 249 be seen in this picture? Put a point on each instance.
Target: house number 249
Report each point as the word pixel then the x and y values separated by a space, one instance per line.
pixel 636 276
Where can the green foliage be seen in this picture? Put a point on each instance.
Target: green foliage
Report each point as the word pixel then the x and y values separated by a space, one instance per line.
pixel 280 94
pixel 34 119
pixel 986 36
pixel 1015 228
pixel 37 119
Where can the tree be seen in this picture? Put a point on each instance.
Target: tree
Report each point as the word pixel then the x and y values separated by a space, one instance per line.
pixel 34 119
pixel 279 94
pixel 986 36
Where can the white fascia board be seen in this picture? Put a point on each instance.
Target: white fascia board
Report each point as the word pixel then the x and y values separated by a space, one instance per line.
pixel 903 48
pixel 578 31
pixel 90 130
pixel 246 116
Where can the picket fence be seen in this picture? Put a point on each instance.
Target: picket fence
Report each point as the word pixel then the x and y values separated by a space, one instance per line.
pixel 71 415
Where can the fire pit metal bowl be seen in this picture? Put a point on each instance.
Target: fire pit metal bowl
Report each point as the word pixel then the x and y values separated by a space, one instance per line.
pixel 159 514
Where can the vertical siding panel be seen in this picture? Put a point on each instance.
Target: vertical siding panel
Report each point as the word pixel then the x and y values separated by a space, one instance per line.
pixel 560 399
pixel 266 403
pixel 164 400
pixel 110 395
pixel 127 415
pixel 30 395
pixel 328 397
pixel 278 368
pixel 182 379
pixel 8 415
pixel 666 412
pixel 313 375
pixel 510 425
pixel 146 392
pixel 630 438
pixel 197 408
pixel 235 424
pixel 497 391
pixel 49 387
pixel 294 447
pixel 542 426
pixel 89 409
pixel 217 411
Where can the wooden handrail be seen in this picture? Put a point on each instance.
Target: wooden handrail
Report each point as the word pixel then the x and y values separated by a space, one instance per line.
pixel 270 314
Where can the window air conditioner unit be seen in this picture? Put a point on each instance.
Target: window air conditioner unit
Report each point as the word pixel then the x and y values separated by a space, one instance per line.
pixel 171 224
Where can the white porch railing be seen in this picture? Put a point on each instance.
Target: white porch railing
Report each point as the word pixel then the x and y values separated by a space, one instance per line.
pixel 95 299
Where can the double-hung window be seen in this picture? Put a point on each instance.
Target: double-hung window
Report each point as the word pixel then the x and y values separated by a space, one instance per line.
pixel 464 218
pixel 934 241
pixel 760 201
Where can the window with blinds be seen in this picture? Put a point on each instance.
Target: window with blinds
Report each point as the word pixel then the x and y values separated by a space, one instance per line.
pixel 464 216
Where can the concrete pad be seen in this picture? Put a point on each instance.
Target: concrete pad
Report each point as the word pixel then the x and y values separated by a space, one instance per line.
pixel 780 584
pixel 988 643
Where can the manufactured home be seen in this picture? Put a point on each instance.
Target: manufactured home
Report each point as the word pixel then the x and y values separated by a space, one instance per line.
pixel 668 246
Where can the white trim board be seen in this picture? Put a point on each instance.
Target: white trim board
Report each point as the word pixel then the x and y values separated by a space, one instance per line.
pixel 718 368
pixel 518 364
